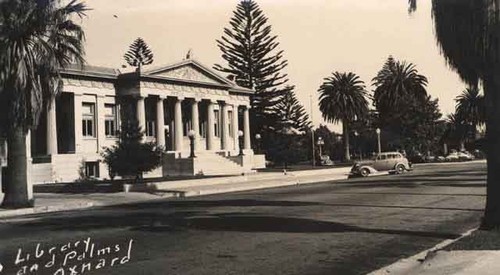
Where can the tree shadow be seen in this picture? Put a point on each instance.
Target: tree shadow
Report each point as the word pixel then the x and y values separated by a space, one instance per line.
pixel 197 220
pixel 213 203
pixel 273 224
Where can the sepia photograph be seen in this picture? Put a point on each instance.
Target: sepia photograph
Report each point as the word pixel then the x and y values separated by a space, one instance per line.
pixel 300 137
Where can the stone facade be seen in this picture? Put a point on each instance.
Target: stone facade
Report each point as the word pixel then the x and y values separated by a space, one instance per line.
pixel 169 102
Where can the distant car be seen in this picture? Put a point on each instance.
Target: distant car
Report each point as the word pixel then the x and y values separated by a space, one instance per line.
pixel 394 162
pixel 465 156
pixel 453 156
pixel 459 156
pixel 326 161
pixel 440 159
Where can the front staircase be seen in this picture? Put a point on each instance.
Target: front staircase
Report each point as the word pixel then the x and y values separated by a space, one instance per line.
pixel 205 163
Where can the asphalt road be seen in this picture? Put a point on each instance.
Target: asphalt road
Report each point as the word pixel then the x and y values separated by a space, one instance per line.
pixel 347 227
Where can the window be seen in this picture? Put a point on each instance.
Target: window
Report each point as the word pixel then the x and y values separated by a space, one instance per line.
pixel 110 120
pixel 92 169
pixel 217 123
pixel 88 119
pixel 203 129
pixel 150 128
pixel 230 123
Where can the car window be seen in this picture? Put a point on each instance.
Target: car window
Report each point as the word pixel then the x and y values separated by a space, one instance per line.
pixel 382 157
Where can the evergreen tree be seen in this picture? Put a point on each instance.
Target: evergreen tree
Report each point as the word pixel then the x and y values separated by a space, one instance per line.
pixel 131 157
pixel 292 113
pixel 253 58
pixel 139 54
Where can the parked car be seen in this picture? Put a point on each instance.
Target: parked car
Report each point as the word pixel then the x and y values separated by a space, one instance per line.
pixel 459 156
pixel 394 162
pixel 453 156
pixel 465 156
pixel 326 161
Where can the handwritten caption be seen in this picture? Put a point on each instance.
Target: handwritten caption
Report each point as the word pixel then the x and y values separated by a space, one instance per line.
pixel 73 258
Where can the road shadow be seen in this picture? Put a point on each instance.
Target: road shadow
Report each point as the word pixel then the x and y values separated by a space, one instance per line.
pixel 160 223
pixel 273 224
pixel 212 203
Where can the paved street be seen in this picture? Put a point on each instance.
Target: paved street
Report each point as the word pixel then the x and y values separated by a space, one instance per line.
pixel 346 227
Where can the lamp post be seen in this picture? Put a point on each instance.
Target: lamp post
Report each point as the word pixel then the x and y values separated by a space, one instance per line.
pixel 356 142
pixel 320 144
pixel 191 135
pixel 240 136
pixel 257 139
pixel 378 140
pixel 312 132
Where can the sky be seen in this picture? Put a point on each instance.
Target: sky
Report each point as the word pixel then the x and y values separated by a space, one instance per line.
pixel 318 37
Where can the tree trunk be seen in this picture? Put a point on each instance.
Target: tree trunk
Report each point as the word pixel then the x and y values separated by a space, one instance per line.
pixel 16 183
pixel 345 131
pixel 491 217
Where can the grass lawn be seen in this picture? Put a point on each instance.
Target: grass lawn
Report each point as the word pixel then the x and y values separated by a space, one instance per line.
pixel 478 240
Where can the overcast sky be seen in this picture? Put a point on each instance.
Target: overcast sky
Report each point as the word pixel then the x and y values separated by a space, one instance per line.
pixel 318 37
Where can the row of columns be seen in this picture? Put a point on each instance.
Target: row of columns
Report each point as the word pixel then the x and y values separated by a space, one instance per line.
pixel 178 126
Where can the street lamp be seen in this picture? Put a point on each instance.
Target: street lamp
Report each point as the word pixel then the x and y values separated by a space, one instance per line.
pixel 356 139
pixel 378 140
pixel 191 135
pixel 320 144
pixel 240 135
pixel 257 139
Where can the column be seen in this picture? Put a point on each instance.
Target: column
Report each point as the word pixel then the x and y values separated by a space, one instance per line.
pixel 141 113
pixel 178 135
pixel 195 121
pixel 236 128
pixel 100 122
pixel 246 128
pixel 29 166
pixel 160 123
pixel 225 127
pixel 210 126
pixel 51 128
pixel 78 122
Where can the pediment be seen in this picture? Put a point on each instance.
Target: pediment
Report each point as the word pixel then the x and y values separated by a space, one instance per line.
pixel 188 72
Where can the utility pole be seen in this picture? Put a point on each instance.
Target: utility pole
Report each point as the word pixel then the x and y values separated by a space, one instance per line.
pixel 312 133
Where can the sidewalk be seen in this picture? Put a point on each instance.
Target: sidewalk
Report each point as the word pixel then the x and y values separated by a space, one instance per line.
pixel 476 252
pixel 52 202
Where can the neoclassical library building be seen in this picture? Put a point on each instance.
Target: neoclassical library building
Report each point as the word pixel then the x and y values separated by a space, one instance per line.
pixel 185 107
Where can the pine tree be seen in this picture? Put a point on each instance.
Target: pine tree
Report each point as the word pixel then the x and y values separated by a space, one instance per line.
pixel 254 60
pixel 130 156
pixel 292 113
pixel 139 54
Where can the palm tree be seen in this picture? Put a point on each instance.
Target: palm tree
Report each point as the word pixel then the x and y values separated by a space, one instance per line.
pixel 396 82
pixel 343 99
pixel 38 39
pixel 470 107
pixel 468 33
pixel 456 130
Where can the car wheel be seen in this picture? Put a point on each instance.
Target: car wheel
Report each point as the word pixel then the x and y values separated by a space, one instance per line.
pixel 400 168
pixel 364 172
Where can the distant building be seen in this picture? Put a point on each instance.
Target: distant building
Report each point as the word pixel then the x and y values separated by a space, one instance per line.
pixel 168 102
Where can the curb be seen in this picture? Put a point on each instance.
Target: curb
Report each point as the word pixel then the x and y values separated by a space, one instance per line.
pixel 404 266
pixel 45 209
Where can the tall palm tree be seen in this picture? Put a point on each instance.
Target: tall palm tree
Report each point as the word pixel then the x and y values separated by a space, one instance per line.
pixel 468 32
pixel 343 99
pixel 396 82
pixel 38 38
